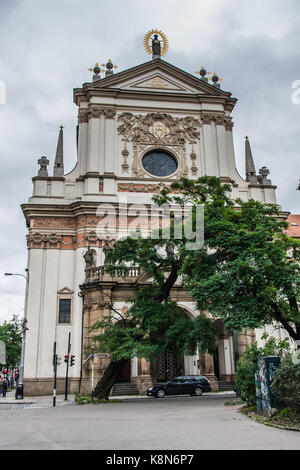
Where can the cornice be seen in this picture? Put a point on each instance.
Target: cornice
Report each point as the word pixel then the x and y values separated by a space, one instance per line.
pixel 155 96
pixel 48 178
pixel 262 186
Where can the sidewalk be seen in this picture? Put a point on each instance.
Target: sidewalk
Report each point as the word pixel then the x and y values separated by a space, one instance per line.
pixel 60 399
pixel 45 400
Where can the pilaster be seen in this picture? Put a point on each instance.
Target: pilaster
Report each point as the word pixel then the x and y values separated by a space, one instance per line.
pixel 93 139
pixel 222 153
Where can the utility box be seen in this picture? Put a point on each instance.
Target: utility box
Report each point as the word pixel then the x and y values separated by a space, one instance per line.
pixel 267 367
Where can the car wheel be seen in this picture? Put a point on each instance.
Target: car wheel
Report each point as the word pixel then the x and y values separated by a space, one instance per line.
pixel 198 391
pixel 160 394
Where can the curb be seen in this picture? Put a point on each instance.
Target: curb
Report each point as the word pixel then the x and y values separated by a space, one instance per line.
pixel 272 425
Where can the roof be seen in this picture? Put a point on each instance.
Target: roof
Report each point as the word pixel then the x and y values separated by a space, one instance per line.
pixel 114 83
pixel 294 225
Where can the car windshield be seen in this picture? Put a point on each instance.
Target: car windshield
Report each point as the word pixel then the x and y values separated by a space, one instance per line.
pixel 178 380
pixel 174 381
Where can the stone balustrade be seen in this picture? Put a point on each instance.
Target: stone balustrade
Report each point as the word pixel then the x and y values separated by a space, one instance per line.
pixel 97 273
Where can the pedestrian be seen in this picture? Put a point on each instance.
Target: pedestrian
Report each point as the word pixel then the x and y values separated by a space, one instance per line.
pixel 4 387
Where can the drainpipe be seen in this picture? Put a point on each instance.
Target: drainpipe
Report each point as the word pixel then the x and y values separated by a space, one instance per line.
pixel 80 294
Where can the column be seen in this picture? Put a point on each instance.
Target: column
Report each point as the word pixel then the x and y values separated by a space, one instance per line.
pixel 109 156
pixel 207 368
pixel 209 156
pixel 93 139
pixel 232 171
pixel 144 379
pixel 82 140
pixel 221 143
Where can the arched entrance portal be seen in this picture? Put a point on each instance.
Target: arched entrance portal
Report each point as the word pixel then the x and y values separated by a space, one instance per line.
pixel 168 365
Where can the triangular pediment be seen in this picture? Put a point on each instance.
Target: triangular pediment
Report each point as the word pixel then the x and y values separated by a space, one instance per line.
pixel 65 290
pixel 157 82
pixel 158 76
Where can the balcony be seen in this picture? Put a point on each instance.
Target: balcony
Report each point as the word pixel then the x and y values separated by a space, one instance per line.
pixel 98 274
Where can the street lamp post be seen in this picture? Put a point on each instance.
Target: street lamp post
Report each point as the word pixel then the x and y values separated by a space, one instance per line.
pixel 20 386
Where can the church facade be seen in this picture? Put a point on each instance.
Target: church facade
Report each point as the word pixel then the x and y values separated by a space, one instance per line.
pixel 138 131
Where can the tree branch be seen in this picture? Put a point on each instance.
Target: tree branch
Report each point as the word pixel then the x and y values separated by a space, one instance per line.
pixel 293 334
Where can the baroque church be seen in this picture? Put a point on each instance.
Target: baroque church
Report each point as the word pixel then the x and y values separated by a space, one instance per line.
pixel 138 131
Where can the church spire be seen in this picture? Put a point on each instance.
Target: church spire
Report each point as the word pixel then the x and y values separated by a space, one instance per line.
pixel 251 176
pixel 59 158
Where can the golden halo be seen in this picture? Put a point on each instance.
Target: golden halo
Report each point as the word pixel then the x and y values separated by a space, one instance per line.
pixel 163 37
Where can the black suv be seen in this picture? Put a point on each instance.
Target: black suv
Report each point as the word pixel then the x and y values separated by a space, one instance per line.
pixel 182 385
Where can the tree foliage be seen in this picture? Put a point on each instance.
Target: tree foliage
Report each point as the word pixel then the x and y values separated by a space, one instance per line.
pixel 247 271
pixel 149 328
pixel 248 365
pixel 10 334
pixel 286 383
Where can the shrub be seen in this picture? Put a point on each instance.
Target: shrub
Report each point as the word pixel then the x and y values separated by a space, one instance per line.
pixel 286 383
pixel 82 399
pixel 286 412
pixel 247 365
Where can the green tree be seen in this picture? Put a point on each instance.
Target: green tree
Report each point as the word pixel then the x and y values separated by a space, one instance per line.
pixel 247 271
pixel 10 334
pixel 153 323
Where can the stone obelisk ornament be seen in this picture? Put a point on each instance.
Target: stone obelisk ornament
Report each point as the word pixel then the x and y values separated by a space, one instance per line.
pixel 156 43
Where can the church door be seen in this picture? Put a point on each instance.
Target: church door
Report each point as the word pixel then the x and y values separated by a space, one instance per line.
pixel 125 373
pixel 167 366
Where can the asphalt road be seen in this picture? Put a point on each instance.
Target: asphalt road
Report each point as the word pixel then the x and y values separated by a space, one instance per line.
pixel 179 423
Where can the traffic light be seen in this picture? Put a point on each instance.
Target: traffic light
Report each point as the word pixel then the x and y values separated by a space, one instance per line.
pixel 66 358
pixel 72 360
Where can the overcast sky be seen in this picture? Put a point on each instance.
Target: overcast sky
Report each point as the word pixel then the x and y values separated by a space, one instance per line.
pixel 46 48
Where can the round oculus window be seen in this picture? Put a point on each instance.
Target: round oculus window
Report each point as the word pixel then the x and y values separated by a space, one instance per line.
pixel 159 163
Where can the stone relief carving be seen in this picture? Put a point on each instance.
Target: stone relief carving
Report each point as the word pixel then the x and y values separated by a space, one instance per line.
pixel 143 188
pixel 109 113
pixel 54 222
pixel 91 238
pixel 219 118
pixel 158 128
pixel 94 111
pixel 48 240
pixel 194 168
pixel 82 116
pixel 228 123
pixel 125 153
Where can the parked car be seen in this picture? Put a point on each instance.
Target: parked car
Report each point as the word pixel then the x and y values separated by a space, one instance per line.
pixel 182 385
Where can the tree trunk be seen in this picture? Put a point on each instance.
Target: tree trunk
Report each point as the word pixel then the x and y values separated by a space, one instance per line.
pixel 105 384
pixel 293 332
